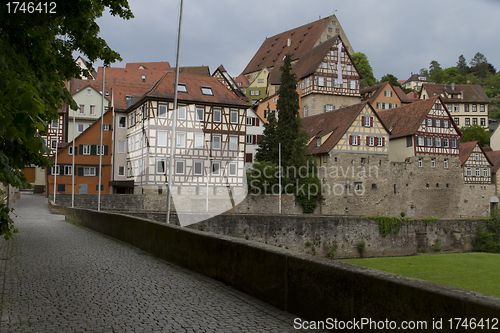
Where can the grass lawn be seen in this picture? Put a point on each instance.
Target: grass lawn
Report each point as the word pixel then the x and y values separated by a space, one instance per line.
pixel 472 271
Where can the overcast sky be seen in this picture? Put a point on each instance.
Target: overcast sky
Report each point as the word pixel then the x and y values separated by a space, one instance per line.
pixel 399 37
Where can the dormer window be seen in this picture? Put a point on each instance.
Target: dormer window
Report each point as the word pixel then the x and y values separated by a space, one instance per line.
pixel 207 91
pixel 318 142
pixel 143 77
pixel 181 87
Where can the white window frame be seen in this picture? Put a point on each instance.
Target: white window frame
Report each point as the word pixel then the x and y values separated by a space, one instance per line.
pixel 234 114
pixel 233 142
pixel 486 172
pixel 469 172
pixel 179 163
pixel 92 110
pixel 120 125
pixel 197 162
pixel 181 112
pixel 249 139
pixel 380 142
pixel 99 150
pixel 216 144
pixel 160 170
pixel 355 140
pixel 371 141
pixel 80 128
pixel 420 163
pixel 55 170
pixel 217 116
pixel 199 139
pixel 202 110
pixel 89 171
pixel 180 141
pixel 68 170
pixel 214 163
pixel 421 141
pixel 81 109
pixel 121 170
pixel 162 110
pixel 205 90
pixel 121 147
pixel 89 92
pixel 70 150
pixel 433 162
pixel 86 149
pixel 159 136
pixel 478 172
pixel 232 165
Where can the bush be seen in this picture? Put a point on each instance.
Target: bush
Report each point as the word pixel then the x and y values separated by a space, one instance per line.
pixel 488 238
pixel 361 248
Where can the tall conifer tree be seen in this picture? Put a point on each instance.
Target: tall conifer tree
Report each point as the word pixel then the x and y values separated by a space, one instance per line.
pixel 268 146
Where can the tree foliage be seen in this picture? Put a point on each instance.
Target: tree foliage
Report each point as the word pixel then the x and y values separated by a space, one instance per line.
pixel 475 133
pixel 361 61
pixel 268 146
pixel 36 57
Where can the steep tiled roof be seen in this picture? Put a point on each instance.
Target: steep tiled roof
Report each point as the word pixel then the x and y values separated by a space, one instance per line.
pixel 117 74
pixel 273 49
pixel 405 120
pixel 162 65
pixel 337 121
pixel 164 89
pixel 243 79
pixel 471 93
pixel 466 149
pixel 121 91
pixel 411 97
pixel 415 77
pixel 375 90
pixel 196 70
pixel 494 157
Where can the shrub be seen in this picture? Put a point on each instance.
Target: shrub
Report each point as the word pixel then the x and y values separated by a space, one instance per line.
pixel 437 245
pixel 361 248
pixel 488 237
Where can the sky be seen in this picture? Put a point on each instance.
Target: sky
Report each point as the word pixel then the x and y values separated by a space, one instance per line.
pixel 398 37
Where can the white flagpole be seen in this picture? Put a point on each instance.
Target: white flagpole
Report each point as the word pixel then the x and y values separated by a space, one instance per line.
pixel 73 164
pixel 55 166
pixel 279 148
pixel 174 118
pixel 339 66
pixel 101 148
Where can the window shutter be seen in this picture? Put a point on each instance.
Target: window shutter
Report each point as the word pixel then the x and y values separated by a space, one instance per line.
pixel 97 171
pixel 253 122
pixel 80 171
pixel 81 149
pixel 362 120
pixel 359 141
pixel 350 139
pixel 49 171
pixel 367 140
pixel 375 141
pixel 93 150
pixel 106 150
pixel 257 123
pixel 75 150
pixel 383 141
pixel 371 121
pixel 254 139
pixel 248 157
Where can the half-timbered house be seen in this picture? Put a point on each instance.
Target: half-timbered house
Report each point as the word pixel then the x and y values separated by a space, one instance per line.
pixel 382 96
pixel 475 163
pixel 351 148
pixel 209 146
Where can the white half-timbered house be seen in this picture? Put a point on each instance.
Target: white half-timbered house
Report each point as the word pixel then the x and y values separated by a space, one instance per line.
pixel 208 164
pixel 475 163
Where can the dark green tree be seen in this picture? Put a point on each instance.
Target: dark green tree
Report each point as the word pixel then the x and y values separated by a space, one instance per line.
pixel 268 146
pixel 36 57
pixel 463 69
pixel 391 78
pixel 436 73
pixel 480 67
pixel 363 65
pixel 475 133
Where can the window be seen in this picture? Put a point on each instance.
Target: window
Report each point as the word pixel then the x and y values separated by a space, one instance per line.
pixel 368 121
pixel 162 110
pixel 437 106
pixel 433 162
pixel 486 172
pixel 122 122
pixel 477 157
pixel 70 150
pixel 200 114
pixel 216 141
pixel 420 141
pixel 100 150
pixel 466 107
pixel 207 91
pixel 474 121
pixel 198 168
pixel 420 163
pixel 121 147
pixel 483 121
pixel 162 139
pixel 234 116
pixel 354 140
pixel 86 150
pixel 160 166
pixel 89 171
pixel 106 127
pixel 448 106
pixel 181 140
pixel 437 142
pixel 305 111
pixel 92 110
pixel 217 115
pixel 55 170
pixel 181 113
pixel 380 142
pixel 428 142
pixel 371 141
pixel 481 107
pixel 233 142
pixel 445 123
pixel 328 107
pixel 121 170
pixel 81 110
pixel 198 140
pixel 445 164
pixel 321 81
pixel 353 84
pixel 89 92
pixel 467 121
pixel 474 108
pixel 80 128
pixel 318 142
pixel 453 143
pixel 456 108
pixel 348 68
pixel 325 65
pixel 179 167
pixel 469 171
pixel 249 139
pixel 233 169
pixel 249 121
pixel 429 122
pixel 215 168
pixel 445 142
pixel 54 124
pixel 478 172
pixel 457 121
pixel 409 141
pixel 387 93
pixel 68 170
pixel 181 87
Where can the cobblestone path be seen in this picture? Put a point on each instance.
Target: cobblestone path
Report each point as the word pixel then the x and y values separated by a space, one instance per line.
pixel 58 277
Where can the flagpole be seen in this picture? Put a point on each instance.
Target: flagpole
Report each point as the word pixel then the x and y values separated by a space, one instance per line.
pixel 279 149
pixel 55 166
pixel 73 164
pixel 101 148
pixel 174 118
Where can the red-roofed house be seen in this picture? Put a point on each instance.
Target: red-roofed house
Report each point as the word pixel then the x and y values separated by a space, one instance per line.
pixel 475 163
pixel 210 140
pixel 382 96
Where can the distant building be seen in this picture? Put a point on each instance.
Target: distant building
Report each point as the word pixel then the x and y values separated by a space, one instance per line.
pixel 416 81
pixel 382 96
pixel 475 163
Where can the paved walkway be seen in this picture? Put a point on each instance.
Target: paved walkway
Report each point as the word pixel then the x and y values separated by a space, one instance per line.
pixel 58 277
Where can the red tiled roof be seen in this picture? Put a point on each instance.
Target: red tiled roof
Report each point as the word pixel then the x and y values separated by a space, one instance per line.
pixel 494 157
pixel 466 149
pixel 196 70
pixel 221 95
pixel 161 65
pixel 121 91
pixel 116 74
pixel 337 121
pixel 470 93
pixel 375 90
pixel 243 79
pixel 406 120
pixel 273 49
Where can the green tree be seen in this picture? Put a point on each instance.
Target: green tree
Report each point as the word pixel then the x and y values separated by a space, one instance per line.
pixel 462 67
pixel 361 61
pixel 268 146
pixel 36 57
pixel 475 133
pixel 480 67
pixel 391 78
pixel 436 73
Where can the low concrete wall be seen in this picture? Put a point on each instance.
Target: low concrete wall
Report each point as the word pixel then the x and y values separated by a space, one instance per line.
pixel 309 287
